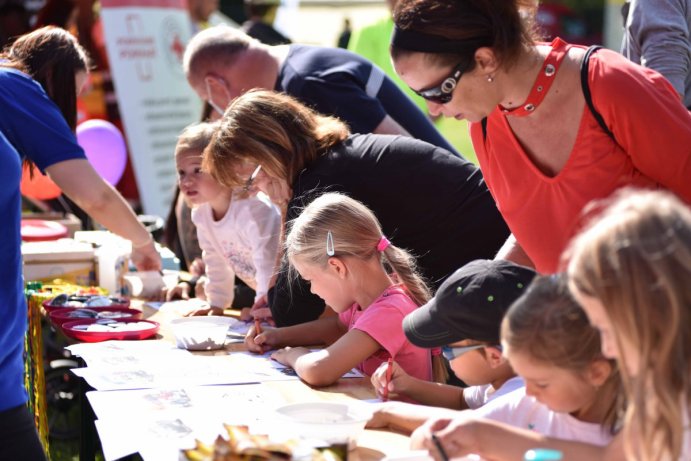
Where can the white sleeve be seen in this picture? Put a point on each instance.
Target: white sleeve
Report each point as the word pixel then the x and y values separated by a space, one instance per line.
pixel 220 283
pixel 262 231
pixel 474 396
pixel 509 408
pixel 520 410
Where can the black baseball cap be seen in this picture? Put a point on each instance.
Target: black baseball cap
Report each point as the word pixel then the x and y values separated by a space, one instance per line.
pixel 470 304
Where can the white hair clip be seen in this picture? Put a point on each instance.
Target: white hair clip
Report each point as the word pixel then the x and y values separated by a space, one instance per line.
pixel 330 250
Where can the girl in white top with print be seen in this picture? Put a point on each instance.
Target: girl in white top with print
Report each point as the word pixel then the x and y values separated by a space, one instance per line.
pixel 239 235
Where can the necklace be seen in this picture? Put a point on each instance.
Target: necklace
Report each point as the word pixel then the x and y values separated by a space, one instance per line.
pixel 543 81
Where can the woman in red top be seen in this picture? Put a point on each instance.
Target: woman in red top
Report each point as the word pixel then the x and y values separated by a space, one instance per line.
pixel 542 151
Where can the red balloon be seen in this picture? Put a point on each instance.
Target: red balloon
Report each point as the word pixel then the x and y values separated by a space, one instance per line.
pixel 40 187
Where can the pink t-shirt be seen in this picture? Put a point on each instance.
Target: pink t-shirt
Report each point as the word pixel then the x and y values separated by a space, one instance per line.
pixel 383 321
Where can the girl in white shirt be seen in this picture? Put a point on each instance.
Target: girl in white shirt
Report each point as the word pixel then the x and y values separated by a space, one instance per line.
pixel 570 389
pixel 238 234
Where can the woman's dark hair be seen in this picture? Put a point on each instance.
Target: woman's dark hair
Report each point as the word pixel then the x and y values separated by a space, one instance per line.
pixel 506 26
pixel 52 57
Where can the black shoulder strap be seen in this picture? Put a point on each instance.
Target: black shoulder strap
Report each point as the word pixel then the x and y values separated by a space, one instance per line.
pixel 484 128
pixel 586 90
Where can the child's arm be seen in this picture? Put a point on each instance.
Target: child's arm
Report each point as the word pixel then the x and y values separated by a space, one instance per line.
pixel 424 392
pixel 322 331
pixel 326 366
pixel 406 417
pixel 501 442
pixel 220 283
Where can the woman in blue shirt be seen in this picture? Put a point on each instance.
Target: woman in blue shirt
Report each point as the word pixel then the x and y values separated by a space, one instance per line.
pixel 40 77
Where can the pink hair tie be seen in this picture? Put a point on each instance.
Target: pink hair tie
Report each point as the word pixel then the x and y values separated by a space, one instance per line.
pixel 383 244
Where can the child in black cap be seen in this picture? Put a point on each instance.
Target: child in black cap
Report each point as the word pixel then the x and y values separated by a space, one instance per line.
pixel 463 319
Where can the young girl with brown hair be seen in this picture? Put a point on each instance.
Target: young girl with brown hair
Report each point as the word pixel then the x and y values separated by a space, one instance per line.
pixel 571 388
pixel 337 246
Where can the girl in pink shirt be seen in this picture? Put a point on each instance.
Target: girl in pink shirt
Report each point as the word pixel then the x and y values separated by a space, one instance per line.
pixel 336 245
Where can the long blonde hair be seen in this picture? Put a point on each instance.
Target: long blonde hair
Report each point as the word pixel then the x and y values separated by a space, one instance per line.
pixel 355 231
pixel 273 130
pixel 547 325
pixel 636 260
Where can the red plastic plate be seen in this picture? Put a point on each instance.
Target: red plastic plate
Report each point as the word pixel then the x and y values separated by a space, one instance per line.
pixel 72 330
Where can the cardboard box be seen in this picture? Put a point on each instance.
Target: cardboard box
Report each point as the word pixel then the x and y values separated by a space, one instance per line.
pixel 70 221
pixel 63 259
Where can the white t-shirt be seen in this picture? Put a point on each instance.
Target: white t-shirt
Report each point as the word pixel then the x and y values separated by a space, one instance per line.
pixel 477 396
pixel 520 410
pixel 244 243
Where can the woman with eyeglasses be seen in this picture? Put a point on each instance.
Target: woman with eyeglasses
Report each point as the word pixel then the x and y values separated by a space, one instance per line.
pixel 544 152
pixel 430 202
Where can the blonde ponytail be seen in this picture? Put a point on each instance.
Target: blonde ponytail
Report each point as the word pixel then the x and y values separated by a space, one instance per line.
pixel 404 266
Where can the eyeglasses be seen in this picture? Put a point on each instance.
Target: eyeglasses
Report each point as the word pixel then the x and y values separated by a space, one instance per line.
pixel 444 92
pixel 250 180
pixel 451 353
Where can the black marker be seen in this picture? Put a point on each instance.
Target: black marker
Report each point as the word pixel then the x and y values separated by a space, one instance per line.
pixel 437 444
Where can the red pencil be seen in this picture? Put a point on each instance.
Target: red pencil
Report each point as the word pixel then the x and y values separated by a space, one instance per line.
pixel 389 372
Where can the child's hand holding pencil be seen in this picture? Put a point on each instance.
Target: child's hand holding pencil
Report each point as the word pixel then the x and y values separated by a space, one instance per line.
pixel 261 338
pixel 389 380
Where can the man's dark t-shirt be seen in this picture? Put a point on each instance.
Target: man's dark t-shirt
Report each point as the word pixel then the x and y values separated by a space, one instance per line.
pixel 336 82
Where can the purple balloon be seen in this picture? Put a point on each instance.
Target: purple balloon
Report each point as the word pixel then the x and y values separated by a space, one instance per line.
pixel 105 148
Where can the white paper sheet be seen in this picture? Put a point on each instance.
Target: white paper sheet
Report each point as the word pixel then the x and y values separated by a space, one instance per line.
pixel 160 422
pixel 111 353
pixel 225 400
pixel 175 370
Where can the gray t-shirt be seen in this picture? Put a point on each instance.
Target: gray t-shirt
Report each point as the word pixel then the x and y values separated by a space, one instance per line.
pixel 657 35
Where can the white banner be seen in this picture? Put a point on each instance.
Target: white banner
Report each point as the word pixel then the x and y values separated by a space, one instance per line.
pixel 145 41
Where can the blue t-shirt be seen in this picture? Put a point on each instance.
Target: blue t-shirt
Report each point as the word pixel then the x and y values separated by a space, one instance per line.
pixel 31 126
pixel 337 82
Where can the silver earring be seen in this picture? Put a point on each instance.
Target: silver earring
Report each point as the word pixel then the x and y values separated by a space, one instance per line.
pixel 490 78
